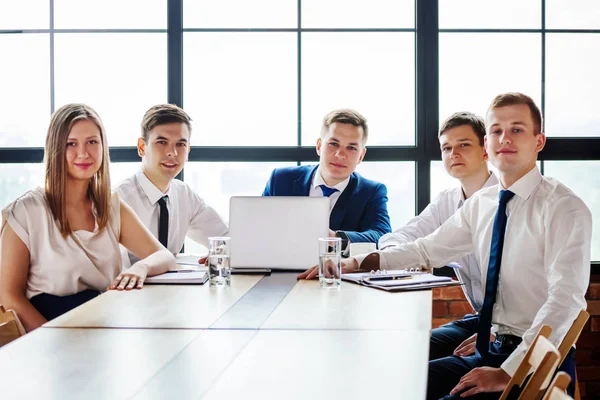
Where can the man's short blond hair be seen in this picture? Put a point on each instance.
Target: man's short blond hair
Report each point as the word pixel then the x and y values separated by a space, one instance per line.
pixel 346 116
pixel 516 98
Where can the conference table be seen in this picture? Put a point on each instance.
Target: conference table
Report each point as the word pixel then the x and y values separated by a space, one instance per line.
pixel 264 337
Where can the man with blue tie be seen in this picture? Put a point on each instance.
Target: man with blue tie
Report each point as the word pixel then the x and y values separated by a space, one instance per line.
pixel 358 210
pixel 532 237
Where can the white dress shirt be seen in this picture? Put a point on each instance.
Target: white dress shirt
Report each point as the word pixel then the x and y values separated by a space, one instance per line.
pixel 64 266
pixel 188 213
pixel 432 217
pixel 545 266
pixel 316 191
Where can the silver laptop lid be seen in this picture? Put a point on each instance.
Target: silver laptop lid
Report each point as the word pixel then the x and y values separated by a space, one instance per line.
pixel 277 232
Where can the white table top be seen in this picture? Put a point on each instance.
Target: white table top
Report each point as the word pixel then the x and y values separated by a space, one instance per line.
pixel 86 363
pixel 214 364
pixel 158 306
pixel 308 306
pixel 272 339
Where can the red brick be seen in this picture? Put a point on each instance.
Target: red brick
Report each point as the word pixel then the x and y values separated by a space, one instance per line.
pixel 448 293
pixel 437 322
pixel 460 308
pixel 595 327
pixel 596 356
pixel 589 373
pixel 583 357
pixel 593 307
pixel 440 308
pixel 592 391
pixel 588 340
pixel 582 389
pixel 594 292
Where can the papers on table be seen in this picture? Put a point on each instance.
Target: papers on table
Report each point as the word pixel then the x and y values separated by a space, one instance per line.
pixel 401 280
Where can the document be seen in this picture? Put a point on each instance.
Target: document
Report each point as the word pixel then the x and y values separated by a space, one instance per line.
pixel 401 280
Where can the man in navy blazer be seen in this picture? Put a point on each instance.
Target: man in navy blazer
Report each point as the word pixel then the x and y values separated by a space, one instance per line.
pixel 358 211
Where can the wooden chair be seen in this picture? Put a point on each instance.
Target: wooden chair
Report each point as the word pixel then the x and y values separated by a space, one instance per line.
pixel 558 388
pixel 570 339
pixel 543 358
pixel 10 326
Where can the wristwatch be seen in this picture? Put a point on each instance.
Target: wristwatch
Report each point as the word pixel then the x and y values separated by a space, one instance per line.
pixel 345 241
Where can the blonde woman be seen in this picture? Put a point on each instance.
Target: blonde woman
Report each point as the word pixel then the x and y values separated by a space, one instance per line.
pixel 60 244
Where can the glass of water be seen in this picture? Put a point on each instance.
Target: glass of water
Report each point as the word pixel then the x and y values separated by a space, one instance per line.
pixel 330 262
pixel 219 273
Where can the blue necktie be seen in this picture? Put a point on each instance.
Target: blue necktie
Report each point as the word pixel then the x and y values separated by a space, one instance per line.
pixel 482 345
pixel 327 191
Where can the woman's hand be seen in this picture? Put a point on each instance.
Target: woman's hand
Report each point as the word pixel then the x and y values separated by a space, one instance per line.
pixel 131 278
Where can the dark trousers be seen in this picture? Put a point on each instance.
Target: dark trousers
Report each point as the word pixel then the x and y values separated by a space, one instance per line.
pixel 51 306
pixel 446 338
pixel 445 373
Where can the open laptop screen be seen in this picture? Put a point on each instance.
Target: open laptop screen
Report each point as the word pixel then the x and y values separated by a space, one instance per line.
pixel 277 232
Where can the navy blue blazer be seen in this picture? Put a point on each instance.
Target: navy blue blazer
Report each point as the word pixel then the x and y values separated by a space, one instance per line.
pixel 360 211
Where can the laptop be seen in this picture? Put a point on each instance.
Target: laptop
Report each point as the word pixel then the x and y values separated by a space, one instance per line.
pixel 276 232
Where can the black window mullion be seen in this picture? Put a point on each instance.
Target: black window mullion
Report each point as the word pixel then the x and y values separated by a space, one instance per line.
pixel 175 56
pixel 427 96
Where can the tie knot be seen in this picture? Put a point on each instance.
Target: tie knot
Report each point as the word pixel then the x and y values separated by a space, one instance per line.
pixel 505 196
pixel 163 200
pixel 327 191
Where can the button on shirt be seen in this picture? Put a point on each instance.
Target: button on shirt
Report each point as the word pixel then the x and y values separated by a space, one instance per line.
pixel 189 215
pixel 545 267
pixel 315 190
pixel 432 217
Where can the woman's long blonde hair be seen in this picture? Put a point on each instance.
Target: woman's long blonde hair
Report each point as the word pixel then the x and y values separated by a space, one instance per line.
pixel 99 190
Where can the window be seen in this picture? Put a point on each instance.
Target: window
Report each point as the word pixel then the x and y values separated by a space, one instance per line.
pixel 25 85
pixel 583 178
pixel 258 77
pixel 128 75
pixel 240 88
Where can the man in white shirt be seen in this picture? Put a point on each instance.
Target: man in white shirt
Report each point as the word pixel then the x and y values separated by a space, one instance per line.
pixel 168 207
pixel 533 230
pixel 461 139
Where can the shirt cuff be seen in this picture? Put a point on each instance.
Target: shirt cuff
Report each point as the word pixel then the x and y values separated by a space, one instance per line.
pixel 361 257
pixel 511 364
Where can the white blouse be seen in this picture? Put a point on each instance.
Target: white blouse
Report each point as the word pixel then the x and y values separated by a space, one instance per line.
pixel 62 266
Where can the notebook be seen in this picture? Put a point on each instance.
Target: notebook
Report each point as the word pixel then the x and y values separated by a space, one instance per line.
pixel 278 232
pixel 400 280
pixel 182 276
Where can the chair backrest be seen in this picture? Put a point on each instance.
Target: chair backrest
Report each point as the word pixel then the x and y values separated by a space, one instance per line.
pixel 558 388
pixel 573 334
pixel 543 358
pixel 10 326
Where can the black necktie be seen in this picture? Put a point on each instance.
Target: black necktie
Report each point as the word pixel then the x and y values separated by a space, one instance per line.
pixel 163 222
pixel 482 345
pixel 327 191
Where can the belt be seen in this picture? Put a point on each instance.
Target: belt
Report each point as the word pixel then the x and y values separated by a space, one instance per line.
pixel 508 340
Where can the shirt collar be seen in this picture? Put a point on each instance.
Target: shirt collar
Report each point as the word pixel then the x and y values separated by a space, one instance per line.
pixel 318 181
pixel 152 192
pixel 525 186
pixel 491 181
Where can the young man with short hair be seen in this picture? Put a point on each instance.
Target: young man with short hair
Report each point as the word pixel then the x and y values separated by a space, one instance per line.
pixel 358 211
pixel 532 237
pixel 461 139
pixel 168 207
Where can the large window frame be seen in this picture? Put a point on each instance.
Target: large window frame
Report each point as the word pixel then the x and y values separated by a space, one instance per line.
pixel 426 148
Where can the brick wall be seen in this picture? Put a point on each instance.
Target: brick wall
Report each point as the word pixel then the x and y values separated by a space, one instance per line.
pixel 588 346
pixel 450 304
